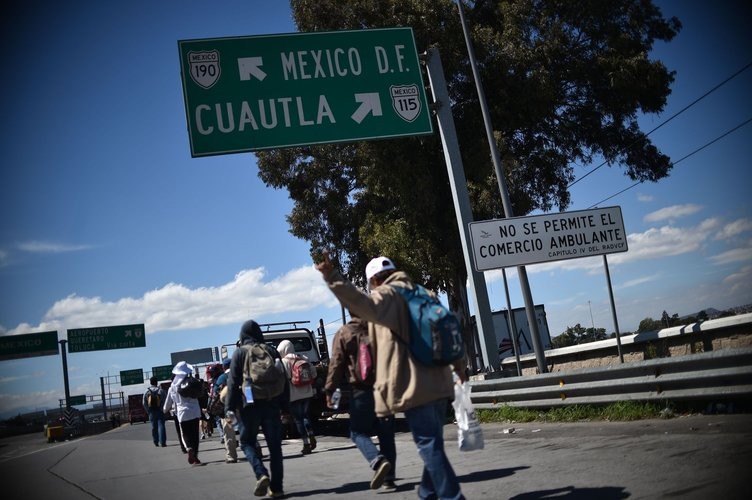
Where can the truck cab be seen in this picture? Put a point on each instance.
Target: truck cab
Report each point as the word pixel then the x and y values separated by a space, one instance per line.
pixel 136 410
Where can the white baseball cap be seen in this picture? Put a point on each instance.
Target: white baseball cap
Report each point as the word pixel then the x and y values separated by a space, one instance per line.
pixel 377 265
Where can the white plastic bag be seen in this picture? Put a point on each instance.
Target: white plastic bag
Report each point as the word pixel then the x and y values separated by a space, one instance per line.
pixel 469 433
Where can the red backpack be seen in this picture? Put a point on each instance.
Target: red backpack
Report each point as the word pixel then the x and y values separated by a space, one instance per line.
pixel 302 372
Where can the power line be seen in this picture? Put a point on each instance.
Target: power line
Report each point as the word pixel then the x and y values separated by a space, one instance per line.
pixel 680 159
pixel 747 66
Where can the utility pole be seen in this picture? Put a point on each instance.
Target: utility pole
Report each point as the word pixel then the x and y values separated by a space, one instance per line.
pixel 506 202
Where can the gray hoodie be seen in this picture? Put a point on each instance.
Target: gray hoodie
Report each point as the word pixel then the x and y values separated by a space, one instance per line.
pixel 287 351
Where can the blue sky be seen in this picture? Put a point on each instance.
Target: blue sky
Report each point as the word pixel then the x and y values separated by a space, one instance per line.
pixel 108 220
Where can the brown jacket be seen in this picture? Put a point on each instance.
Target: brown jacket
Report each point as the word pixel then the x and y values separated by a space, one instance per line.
pixel 401 382
pixel 343 360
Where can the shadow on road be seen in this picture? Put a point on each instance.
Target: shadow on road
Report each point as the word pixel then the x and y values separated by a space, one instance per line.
pixel 603 493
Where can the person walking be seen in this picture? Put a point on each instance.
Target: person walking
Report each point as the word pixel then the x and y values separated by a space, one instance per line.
pixel 228 429
pixel 187 410
pixel 347 367
pixel 300 397
pixel 258 405
pixel 154 397
pixel 173 415
pixel 402 384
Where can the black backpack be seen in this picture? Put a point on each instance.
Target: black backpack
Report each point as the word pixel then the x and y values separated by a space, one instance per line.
pixel 190 387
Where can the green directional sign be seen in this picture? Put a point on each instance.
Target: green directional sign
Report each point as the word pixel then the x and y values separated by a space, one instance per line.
pixel 78 400
pixel 162 372
pixel 132 377
pixel 28 345
pixel 106 337
pixel 260 92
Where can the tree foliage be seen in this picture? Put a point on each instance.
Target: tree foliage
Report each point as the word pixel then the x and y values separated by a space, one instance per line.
pixel 576 335
pixel 649 325
pixel 564 81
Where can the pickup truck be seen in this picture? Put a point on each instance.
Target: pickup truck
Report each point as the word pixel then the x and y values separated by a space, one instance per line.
pixel 306 343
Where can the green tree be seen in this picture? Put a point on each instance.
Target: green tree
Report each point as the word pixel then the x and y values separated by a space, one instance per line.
pixel 575 335
pixel 649 325
pixel 564 80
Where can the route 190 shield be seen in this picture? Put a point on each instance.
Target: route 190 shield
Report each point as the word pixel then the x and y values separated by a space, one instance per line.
pixel 405 101
pixel 204 67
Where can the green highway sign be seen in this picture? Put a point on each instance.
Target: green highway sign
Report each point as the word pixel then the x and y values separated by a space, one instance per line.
pixel 28 345
pixel 132 377
pixel 77 400
pixel 162 372
pixel 273 91
pixel 106 337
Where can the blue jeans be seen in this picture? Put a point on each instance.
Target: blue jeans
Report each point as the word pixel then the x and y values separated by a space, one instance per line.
pixel 299 412
pixel 427 425
pixel 264 414
pixel 362 422
pixel 158 432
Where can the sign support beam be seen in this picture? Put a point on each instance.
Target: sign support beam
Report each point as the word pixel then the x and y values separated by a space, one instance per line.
pixel 64 356
pixel 461 198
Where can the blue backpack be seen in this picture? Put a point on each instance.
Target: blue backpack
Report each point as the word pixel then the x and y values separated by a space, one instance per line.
pixel 435 332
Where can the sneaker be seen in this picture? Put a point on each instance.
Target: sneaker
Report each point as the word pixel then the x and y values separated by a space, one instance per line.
pixel 389 484
pixel 156 444
pixel 382 469
pixel 196 461
pixel 312 440
pixel 306 449
pixel 191 456
pixel 231 460
pixel 163 445
pixel 275 494
pixel 262 485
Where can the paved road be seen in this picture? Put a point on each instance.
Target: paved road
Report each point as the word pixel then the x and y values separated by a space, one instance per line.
pixel 695 457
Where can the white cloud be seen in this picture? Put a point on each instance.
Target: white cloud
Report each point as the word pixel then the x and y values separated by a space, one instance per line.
pixel 673 212
pixel 734 228
pixel 638 281
pixel 177 307
pixel 49 247
pixel 741 281
pixel 19 403
pixel 734 255
pixel 644 198
pixel 665 241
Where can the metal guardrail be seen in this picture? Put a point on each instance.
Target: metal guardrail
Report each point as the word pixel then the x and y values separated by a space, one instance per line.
pixel 710 375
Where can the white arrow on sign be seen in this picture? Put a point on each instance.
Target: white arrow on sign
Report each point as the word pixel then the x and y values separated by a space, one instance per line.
pixel 251 66
pixel 369 102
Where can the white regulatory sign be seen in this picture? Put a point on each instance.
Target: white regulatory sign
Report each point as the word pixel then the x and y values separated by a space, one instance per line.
pixel 518 241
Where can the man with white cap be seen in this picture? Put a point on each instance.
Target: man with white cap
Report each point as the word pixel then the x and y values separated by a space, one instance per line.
pixel 402 383
pixel 188 411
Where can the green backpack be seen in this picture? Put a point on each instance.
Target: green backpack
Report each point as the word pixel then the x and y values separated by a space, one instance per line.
pixel 264 371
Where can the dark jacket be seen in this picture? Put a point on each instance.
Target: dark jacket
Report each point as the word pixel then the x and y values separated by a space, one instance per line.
pixel 250 333
pixel 343 360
